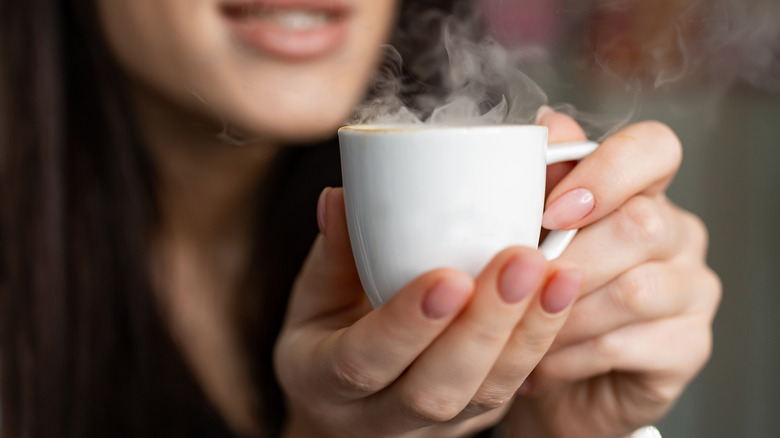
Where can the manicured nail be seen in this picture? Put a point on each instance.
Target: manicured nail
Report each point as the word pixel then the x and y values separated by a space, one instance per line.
pixel 446 297
pixel 322 209
pixel 542 114
pixel 568 209
pixel 520 277
pixel 561 290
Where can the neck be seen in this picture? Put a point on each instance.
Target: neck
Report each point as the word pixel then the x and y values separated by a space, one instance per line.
pixel 208 181
pixel 208 188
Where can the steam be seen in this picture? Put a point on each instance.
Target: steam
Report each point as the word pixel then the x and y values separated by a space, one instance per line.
pixel 479 84
pixel 467 77
pixel 742 42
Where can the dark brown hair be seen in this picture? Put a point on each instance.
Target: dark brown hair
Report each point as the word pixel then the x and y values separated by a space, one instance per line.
pixel 83 349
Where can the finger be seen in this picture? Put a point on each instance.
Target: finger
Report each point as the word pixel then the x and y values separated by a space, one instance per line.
pixel 369 355
pixel 649 291
pixel 442 381
pixel 530 340
pixel 356 361
pixel 640 158
pixel 328 281
pixel 641 230
pixel 667 352
pixel 561 128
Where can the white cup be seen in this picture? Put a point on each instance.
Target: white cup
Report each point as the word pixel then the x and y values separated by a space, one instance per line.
pixel 420 197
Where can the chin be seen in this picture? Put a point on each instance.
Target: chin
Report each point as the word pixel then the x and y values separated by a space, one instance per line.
pixel 292 130
pixel 301 123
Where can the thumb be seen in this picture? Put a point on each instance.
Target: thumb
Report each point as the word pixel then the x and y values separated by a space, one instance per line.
pixel 328 282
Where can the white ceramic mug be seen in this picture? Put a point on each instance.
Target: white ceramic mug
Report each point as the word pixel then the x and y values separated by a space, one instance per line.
pixel 421 197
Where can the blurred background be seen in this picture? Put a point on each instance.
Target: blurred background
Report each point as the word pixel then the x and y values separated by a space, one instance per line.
pixel 710 70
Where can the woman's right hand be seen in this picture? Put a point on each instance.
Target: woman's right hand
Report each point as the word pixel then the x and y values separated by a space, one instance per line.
pixel 445 356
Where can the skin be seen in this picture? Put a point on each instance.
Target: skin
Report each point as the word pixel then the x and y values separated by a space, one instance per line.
pixel 609 334
pixel 641 327
pixel 613 360
pixel 201 97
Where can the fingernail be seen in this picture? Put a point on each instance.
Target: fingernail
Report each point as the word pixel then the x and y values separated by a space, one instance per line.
pixel 561 290
pixel 446 297
pixel 542 114
pixel 568 209
pixel 322 206
pixel 520 277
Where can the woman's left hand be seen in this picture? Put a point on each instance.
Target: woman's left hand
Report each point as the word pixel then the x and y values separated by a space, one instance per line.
pixel 641 329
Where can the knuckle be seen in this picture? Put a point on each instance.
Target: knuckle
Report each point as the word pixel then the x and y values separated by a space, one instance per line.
pixel 717 284
pixel 662 396
pixel 352 377
pixel 535 346
pixel 488 333
pixel 636 290
pixel 699 235
pixel 713 287
pixel 488 400
pixel 705 349
pixel 432 407
pixel 641 221
pixel 535 339
pixel 607 346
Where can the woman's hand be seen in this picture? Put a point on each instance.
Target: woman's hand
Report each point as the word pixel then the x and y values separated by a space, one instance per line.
pixel 641 328
pixel 444 357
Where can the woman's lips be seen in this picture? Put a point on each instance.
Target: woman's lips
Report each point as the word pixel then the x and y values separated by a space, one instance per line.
pixel 292 29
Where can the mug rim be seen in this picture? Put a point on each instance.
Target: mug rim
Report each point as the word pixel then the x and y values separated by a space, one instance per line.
pixel 379 128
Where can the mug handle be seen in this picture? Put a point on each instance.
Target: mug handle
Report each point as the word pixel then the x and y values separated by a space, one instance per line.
pixel 557 241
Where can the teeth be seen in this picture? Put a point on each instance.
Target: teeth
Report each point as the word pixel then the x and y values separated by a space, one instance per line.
pixel 297 19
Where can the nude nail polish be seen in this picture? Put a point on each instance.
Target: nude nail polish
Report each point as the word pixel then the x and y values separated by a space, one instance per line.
pixel 519 278
pixel 561 291
pixel 446 297
pixel 568 209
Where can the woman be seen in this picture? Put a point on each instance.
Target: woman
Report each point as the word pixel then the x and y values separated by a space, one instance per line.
pixel 152 225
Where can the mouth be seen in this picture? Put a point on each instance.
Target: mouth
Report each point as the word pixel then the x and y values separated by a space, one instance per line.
pixel 291 29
